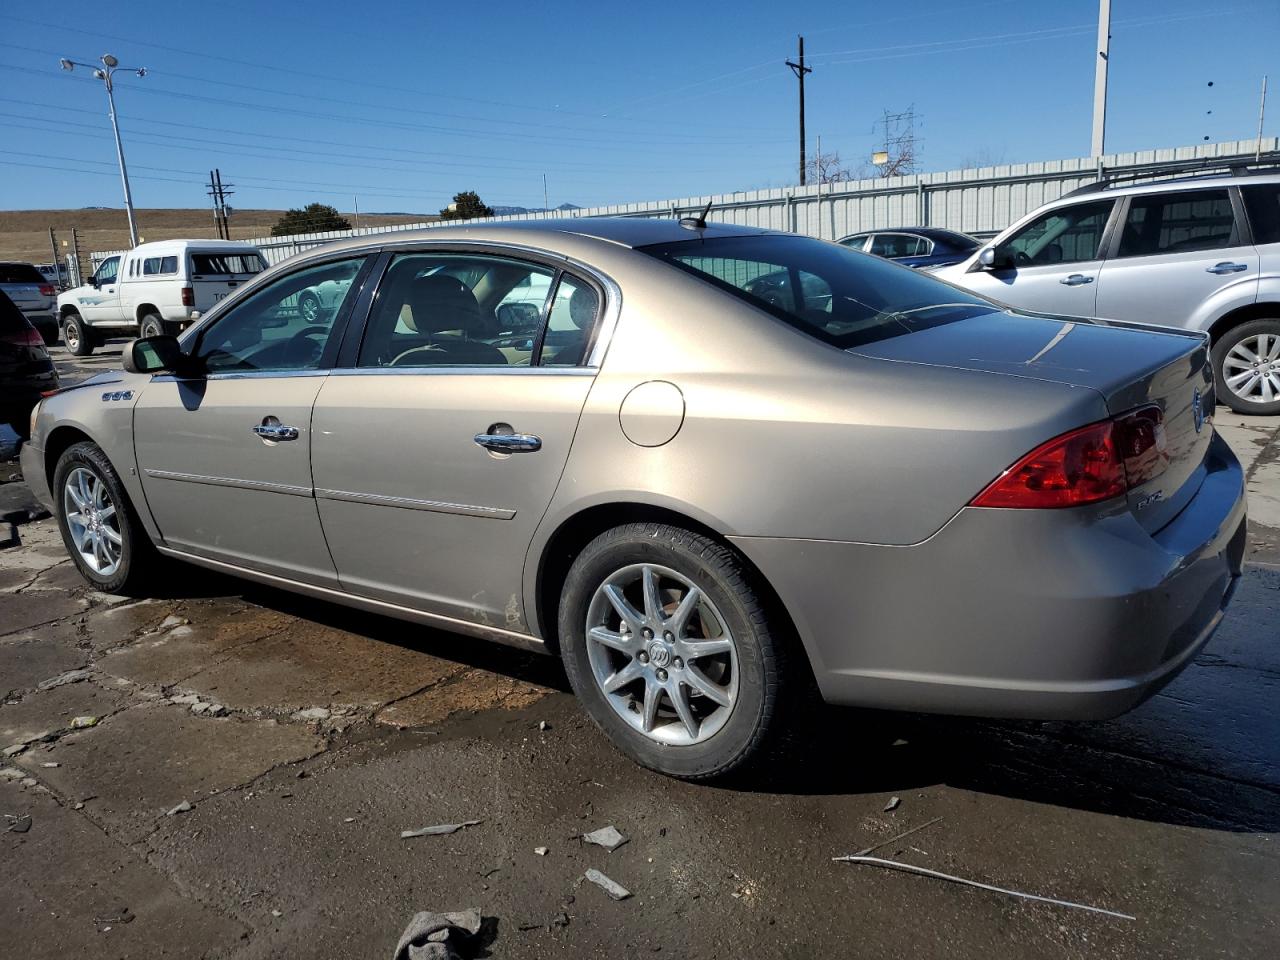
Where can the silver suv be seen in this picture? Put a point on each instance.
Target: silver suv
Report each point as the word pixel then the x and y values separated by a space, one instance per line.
pixel 1201 254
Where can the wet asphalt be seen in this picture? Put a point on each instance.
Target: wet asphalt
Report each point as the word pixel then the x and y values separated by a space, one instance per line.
pixel 305 737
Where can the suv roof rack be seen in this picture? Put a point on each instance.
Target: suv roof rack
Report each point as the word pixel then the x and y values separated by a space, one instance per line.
pixel 1197 169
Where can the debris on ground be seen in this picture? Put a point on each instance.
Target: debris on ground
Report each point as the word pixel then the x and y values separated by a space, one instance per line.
pixel 892 804
pixel 14 750
pixel 884 843
pixel 615 890
pixel 313 714
pixel 183 807
pixel 277 914
pixel 541 851
pixel 438 830
pixel 543 725
pixel 607 837
pixel 443 936
pixel 80 723
pixel 938 874
pixel 50 765
pixel 62 679
pixel 18 823
pixel 123 915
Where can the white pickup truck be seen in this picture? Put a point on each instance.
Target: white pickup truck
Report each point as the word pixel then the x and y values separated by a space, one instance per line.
pixel 158 287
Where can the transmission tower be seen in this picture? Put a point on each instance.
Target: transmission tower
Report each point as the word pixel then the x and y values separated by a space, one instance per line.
pixel 900 154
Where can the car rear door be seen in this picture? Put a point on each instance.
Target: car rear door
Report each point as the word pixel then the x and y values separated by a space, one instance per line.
pixel 1056 258
pixel 225 455
pixel 438 445
pixel 1175 252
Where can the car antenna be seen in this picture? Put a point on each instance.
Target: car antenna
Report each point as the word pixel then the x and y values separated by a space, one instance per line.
pixel 699 222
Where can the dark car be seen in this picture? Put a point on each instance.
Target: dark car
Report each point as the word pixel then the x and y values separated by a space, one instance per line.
pixel 915 246
pixel 26 369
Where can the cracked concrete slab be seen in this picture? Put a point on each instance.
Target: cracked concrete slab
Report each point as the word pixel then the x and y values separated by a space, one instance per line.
pixel 34 655
pixel 53 710
pixel 465 690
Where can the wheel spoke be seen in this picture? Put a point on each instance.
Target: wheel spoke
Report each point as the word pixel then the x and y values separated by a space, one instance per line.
pixel 1268 394
pixel 694 649
pixel 111 535
pixel 1247 389
pixel 628 613
pixel 624 676
pixel 99 494
pixel 99 551
pixel 689 603
pixel 652 602
pixel 700 682
pixel 679 695
pixel 82 478
pixel 1236 379
pixel 74 493
pixel 107 512
pixel 1244 353
pixel 652 697
pixel 615 641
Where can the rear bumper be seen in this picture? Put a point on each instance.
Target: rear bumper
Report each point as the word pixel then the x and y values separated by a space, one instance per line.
pixel 1045 614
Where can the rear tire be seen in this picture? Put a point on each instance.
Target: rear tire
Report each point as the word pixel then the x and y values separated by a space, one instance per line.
pixel 309 307
pixel 99 526
pixel 152 326
pixel 721 725
pixel 78 337
pixel 1246 367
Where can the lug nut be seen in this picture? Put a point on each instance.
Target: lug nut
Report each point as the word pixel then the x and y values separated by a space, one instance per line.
pixel 648 634
pixel 662 675
pixel 642 657
pixel 669 637
pixel 678 663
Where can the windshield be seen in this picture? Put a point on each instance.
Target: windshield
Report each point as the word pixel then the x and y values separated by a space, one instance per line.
pixel 225 264
pixel 830 292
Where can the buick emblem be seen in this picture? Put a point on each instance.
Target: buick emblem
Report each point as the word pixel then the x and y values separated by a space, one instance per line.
pixel 1197 410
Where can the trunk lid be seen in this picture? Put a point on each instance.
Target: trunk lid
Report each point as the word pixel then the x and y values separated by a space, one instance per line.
pixel 1131 366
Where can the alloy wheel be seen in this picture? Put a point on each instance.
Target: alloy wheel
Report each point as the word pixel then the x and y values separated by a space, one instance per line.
pixel 662 654
pixel 309 307
pixel 92 521
pixel 1251 368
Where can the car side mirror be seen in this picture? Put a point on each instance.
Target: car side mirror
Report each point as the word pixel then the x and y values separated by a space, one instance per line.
pixel 93 282
pixel 996 258
pixel 160 354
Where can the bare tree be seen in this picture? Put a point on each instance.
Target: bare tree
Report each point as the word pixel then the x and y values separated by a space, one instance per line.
pixel 827 168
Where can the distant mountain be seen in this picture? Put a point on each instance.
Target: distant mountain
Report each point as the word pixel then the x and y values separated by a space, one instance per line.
pixel 512 211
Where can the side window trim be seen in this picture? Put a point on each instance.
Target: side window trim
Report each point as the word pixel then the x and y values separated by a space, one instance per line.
pixel 544 318
pixel 1244 229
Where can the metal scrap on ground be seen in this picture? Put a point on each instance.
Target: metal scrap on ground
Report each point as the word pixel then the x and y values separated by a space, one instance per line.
pixel 615 890
pixel 438 830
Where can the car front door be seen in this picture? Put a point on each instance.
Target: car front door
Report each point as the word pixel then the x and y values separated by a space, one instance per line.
pixel 1051 263
pixel 225 455
pixel 1175 252
pixel 438 447
pixel 103 301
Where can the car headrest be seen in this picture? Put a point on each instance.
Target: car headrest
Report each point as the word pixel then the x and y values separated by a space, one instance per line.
pixel 582 307
pixel 441 302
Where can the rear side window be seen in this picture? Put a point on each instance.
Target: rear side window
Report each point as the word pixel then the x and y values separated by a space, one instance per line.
pixel 20 273
pixel 158 266
pixel 891 246
pixel 225 264
pixel 1178 222
pixel 1262 203
pixel 831 293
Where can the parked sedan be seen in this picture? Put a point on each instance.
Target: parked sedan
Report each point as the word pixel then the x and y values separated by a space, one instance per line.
pixel 715 502
pixel 26 370
pixel 916 246
pixel 34 295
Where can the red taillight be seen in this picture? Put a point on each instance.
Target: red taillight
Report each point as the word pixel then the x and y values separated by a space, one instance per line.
pixel 26 337
pixel 46 289
pixel 188 297
pixel 1088 465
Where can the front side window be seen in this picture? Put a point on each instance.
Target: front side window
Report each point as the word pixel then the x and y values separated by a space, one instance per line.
pixel 1262 203
pixel 825 290
pixel 1178 223
pixel 1064 235
pixel 273 330
pixel 454 309
pixel 108 270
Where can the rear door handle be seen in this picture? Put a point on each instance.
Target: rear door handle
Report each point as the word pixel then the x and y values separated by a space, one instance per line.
pixel 1227 267
pixel 509 442
pixel 273 429
pixel 1076 279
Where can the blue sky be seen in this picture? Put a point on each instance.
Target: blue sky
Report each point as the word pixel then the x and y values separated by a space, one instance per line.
pixel 405 103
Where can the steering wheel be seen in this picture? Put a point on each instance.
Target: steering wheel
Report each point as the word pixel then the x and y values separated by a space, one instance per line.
pixel 301 351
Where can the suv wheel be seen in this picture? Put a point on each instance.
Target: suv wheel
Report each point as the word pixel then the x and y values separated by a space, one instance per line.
pixel 99 527
pixel 1246 364
pixel 667 644
pixel 152 326
pixel 77 336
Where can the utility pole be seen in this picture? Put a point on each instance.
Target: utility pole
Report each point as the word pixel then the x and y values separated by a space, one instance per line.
pixel 1100 79
pixel 106 73
pixel 219 192
pixel 799 69
pixel 355 201
pixel 1262 115
pixel 546 204
pixel 57 268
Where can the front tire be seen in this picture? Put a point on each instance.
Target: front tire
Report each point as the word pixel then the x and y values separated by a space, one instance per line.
pixel 152 326
pixel 99 526
pixel 667 643
pixel 1246 367
pixel 77 336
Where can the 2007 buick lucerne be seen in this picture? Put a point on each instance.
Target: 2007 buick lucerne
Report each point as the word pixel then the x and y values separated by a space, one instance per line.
pixel 716 469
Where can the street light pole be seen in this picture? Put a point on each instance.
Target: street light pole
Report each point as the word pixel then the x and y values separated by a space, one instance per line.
pixel 1103 62
pixel 106 73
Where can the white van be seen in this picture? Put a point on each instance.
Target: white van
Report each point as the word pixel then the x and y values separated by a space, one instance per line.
pixel 155 288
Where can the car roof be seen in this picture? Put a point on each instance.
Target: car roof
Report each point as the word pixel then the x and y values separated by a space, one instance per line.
pixel 187 244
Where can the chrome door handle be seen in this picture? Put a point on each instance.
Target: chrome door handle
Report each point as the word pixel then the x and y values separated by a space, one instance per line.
pixel 1076 279
pixel 275 431
pixel 1227 267
pixel 509 442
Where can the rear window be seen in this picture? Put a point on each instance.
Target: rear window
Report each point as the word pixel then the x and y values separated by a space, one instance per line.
pixel 225 264
pixel 839 296
pixel 20 273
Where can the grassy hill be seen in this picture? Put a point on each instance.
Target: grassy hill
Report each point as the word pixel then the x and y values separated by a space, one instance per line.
pixel 24 234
